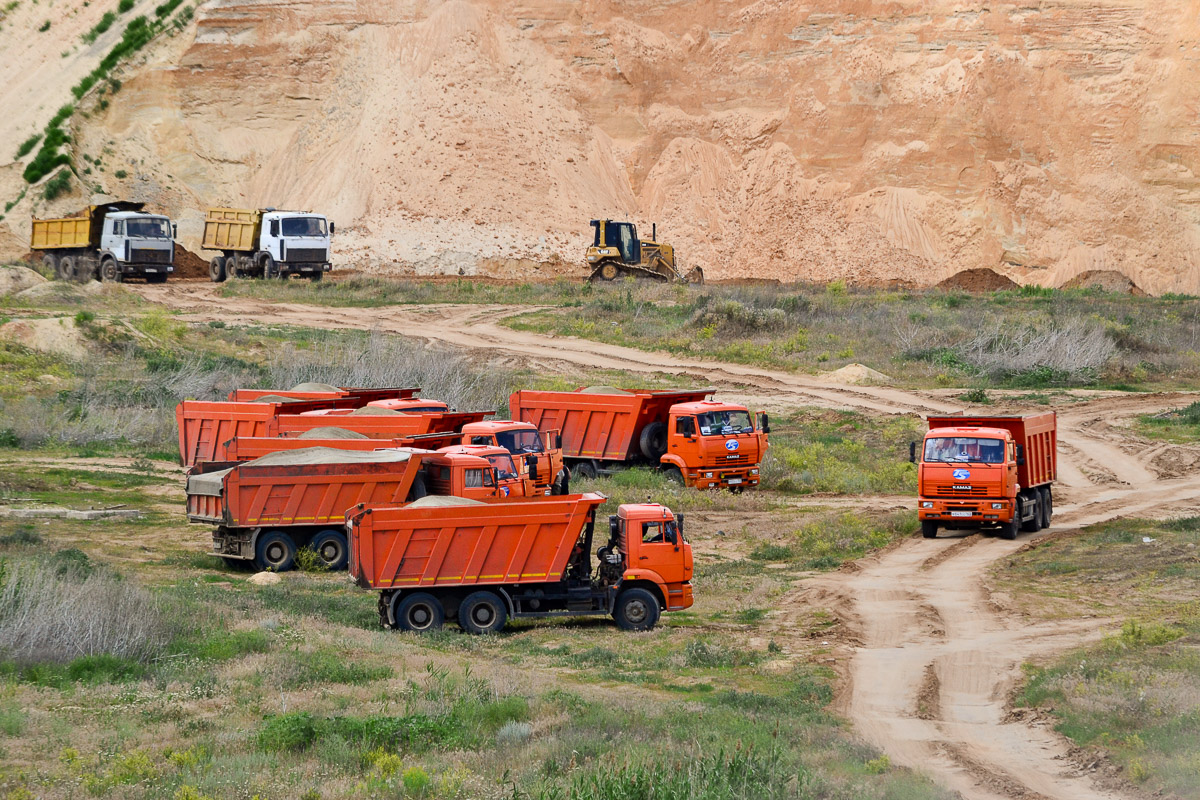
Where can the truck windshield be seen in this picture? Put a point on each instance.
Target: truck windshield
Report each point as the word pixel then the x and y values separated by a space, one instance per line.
pixel 723 423
pixel 520 441
pixel 149 228
pixel 504 466
pixel 948 449
pixel 303 226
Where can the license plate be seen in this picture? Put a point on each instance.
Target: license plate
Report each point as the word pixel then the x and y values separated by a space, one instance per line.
pixel 962 513
pixel 732 481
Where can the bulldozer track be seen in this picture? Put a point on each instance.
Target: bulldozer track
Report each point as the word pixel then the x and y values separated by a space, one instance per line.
pixel 931 660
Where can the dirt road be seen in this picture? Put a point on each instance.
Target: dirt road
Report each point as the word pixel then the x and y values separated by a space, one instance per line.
pixel 934 658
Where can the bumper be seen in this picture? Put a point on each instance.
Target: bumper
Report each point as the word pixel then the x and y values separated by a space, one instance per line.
pixel 305 268
pixel 232 545
pixel 976 511
pixel 147 269
pixel 679 596
pixel 718 478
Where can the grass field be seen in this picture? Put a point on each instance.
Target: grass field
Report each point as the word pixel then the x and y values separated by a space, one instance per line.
pixel 1178 425
pixel 1033 337
pixel 1135 695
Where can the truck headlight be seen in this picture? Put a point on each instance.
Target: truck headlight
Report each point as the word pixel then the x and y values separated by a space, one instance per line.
pixel 997 505
pixel 592 258
pixel 926 504
pixel 754 472
pixel 708 474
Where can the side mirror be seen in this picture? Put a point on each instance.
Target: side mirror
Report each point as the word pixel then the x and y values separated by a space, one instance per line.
pixel 912 452
pixel 679 522
pixel 558 442
pixel 1020 455
pixel 331 228
pixel 612 528
pixel 532 463
pixel 764 422
pixel 174 230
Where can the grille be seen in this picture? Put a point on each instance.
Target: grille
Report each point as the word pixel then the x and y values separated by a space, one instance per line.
pixel 304 254
pixel 143 256
pixel 947 491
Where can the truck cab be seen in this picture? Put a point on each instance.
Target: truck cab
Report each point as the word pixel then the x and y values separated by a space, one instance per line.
pixel 715 445
pixel 540 450
pixel 461 475
pixel 647 546
pixel 297 241
pixel 512 479
pixel 136 244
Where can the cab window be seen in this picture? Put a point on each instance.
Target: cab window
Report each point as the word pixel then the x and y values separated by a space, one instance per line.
pixel 481 440
pixel 653 532
pixel 488 479
pixel 118 227
pixel 473 478
pixel 685 426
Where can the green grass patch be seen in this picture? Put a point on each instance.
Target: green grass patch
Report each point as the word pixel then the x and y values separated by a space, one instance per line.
pixel 1179 425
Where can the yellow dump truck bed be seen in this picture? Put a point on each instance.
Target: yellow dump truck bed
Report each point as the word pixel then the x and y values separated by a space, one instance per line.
pixel 234 229
pixel 54 234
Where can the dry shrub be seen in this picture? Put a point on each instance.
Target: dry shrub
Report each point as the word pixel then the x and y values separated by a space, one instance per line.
pixel 1074 347
pixel 383 361
pixel 55 615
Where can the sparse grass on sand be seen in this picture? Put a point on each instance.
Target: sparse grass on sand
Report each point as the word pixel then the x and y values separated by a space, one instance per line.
pixel 1177 425
pixel 1136 694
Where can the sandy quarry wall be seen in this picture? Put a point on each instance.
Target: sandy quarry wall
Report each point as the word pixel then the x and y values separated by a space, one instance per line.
pixel 897 141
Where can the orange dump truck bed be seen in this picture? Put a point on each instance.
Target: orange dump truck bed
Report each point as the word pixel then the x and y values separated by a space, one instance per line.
pixel 602 425
pixel 466 544
pixel 268 508
pixel 363 395
pixel 252 447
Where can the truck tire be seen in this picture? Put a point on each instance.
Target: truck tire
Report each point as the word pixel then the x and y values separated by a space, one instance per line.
pixel 482 612
pixel 50 263
pixel 1008 530
pixel 66 268
pixel 929 529
pixel 109 271
pixel 673 474
pixel 636 610
pixel 653 442
pixel 419 612
pixel 1047 507
pixel 316 277
pixel 274 551
pixel 216 270
pixel 1035 524
pixel 330 546
pixel 269 268
pixel 587 469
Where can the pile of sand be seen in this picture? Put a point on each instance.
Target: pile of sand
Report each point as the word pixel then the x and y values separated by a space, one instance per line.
pixel 856 375
pixel 188 264
pixel 978 280
pixel 1106 280
pixel 17 279
pixel 57 335
pixel 61 291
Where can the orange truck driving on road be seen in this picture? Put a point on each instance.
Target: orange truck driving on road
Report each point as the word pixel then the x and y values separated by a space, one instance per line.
pixel 702 443
pixel 987 472
pixel 486 562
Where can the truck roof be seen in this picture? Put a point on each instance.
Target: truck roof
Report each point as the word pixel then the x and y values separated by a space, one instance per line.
pixel 478 450
pixel 497 425
pixel 704 406
pixel 402 404
pixel 645 511
pixel 134 215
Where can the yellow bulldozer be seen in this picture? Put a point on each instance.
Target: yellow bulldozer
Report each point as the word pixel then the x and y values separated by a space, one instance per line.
pixel 616 252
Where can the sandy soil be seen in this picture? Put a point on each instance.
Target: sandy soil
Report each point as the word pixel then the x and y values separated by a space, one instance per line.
pixel 928 655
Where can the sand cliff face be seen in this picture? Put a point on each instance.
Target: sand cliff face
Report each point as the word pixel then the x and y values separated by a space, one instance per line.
pixel 869 141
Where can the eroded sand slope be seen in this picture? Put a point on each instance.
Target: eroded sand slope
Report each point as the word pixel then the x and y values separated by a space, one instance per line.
pixel 871 141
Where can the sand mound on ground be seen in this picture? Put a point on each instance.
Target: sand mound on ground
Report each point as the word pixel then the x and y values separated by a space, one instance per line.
pixel 856 374
pixel 18 279
pixel 188 264
pixel 61 291
pixel 56 335
pixel 978 280
pixel 1106 280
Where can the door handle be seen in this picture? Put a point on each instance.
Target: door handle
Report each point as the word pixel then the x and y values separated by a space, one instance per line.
pixel 642 558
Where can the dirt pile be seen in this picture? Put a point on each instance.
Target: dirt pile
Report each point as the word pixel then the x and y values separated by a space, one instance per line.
pixel 857 375
pixel 18 279
pixel 1105 280
pixel 978 280
pixel 56 335
pixel 869 141
pixel 188 264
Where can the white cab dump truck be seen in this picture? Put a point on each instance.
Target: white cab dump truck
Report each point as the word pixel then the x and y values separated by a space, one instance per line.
pixel 267 243
pixel 109 242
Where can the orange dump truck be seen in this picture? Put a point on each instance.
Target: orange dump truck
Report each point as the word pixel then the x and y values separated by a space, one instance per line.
pixel 512 474
pixel 265 510
pixel 486 562
pixel 540 450
pixel 702 443
pixel 249 448
pixel 987 472
pixel 205 427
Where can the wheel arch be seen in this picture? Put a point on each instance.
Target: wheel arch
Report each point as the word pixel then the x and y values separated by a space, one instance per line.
pixel 644 579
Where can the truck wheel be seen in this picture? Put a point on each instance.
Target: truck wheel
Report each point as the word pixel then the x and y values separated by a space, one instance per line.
pixel 653 442
pixel 330 545
pixel 269 268
pixel 216 270
pixel 636 610
pixel 929 529
pixel 561 484
pixel 587 469
pixel 419 612
pixel 1047 507
pixel 316 277
pixel 482 612
pixel 1008 530
pixel 673 474
pixel 109 271
pixel 275 551
pixel 50 263
pixel 1035 524
pixel 418 490
pixel 66 268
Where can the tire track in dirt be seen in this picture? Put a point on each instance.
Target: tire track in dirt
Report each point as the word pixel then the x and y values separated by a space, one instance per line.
pixel 933 660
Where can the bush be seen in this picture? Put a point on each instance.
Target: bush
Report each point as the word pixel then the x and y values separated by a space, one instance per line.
pixel 100 27
pixel 55 613
pixel 45 26
pixel 125 5
pixel 27 146
pixel 58 185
